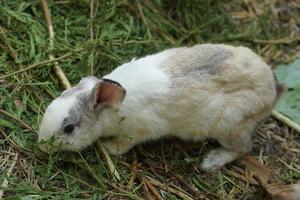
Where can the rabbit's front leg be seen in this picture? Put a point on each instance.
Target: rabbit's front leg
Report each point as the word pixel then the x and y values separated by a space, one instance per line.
pixel 118 145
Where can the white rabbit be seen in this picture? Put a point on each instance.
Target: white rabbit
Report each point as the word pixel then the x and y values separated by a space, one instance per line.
pixel 205 91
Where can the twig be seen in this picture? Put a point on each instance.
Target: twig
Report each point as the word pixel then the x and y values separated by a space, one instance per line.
pixel 40 64
pixel 289 166
pixel 278 41
pixel 11 142
pixel 189 186
pixel 177 188
pixel 57 70
pixel 5 182
pixel 167 188
pixel 142 14
pixel 9 47
pixel 133 171
pixel 22 123
pixel 146 190
pixel 126 193
pixel 152 189
pixel 110 164
pixel 286 120
pixel 62 2
pixel 166 168
pixel 91 63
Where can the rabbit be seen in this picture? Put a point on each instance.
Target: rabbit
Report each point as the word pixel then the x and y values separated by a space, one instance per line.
pixel 205 91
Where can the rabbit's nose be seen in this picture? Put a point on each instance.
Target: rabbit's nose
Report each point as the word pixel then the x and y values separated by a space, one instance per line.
pixel 49 145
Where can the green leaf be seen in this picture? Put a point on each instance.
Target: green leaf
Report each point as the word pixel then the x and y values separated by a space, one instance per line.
pixel 6 124
pixel 289 75
pixel 289 105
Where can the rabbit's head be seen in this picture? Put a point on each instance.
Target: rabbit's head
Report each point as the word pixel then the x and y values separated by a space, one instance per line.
pixel 74 120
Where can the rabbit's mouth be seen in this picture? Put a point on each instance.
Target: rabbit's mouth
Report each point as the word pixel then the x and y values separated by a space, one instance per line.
pixel 54 144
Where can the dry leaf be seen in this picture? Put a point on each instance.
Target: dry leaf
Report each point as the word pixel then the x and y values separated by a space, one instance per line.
pixel 284 192
pixel 254 172
pixel 257 174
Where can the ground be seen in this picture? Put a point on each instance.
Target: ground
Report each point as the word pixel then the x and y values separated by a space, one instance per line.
pixel 95 43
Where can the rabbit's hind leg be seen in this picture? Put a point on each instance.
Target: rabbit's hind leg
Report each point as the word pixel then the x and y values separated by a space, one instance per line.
pixel 232 147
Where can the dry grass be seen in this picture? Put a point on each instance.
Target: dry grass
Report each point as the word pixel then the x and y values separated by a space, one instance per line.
pixel 96 42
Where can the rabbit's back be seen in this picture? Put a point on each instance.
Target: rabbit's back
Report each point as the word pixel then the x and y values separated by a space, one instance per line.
pixel 215 88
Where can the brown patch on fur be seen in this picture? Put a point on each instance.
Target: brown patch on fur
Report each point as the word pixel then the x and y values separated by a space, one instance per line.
pixel 235 85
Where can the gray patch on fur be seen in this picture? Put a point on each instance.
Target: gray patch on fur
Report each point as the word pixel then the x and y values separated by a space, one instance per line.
pixel 210 65
pixel 198 63
pixel 79 110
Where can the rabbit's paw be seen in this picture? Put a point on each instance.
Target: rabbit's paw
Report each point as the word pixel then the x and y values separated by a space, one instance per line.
pixel 217 158
pixel 118 146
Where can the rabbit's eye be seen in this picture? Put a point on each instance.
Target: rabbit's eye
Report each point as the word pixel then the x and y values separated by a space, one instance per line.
pixel 69 128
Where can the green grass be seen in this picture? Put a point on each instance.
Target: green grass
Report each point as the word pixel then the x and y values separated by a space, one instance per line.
pixel 122 30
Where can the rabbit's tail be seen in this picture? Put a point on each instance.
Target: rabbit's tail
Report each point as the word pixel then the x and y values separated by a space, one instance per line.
pixel 280 89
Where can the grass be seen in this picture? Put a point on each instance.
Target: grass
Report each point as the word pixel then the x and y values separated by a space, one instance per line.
pixel 122 30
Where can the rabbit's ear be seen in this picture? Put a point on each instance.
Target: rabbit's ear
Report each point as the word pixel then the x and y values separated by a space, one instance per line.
pixel 107 94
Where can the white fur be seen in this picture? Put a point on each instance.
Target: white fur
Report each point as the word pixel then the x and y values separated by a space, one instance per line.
pixel 88 83
pixel 142 79
pixel 217 158
pixel 57 111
